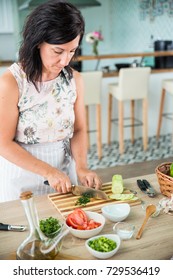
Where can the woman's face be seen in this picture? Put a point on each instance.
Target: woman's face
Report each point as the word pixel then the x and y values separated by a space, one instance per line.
pixel 56 57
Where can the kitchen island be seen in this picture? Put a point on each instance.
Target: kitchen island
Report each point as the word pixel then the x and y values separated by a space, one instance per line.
pixel 156 242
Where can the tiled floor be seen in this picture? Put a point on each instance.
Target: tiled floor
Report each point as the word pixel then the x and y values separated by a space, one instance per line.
pixel 162 148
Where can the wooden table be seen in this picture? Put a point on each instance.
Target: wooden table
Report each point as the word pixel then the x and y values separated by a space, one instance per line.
pixel 131 170
pixel 156 242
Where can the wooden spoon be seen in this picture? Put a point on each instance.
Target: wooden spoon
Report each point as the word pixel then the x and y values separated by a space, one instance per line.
pixel 149 211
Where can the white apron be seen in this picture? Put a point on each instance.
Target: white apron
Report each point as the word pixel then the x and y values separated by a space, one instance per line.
pixel 14 180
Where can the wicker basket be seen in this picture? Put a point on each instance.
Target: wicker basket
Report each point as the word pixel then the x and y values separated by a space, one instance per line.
pixel 164 179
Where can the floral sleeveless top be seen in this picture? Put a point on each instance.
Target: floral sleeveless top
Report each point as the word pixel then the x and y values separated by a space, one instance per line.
pixel 47 115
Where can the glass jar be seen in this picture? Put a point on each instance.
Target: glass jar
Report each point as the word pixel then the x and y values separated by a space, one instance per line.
pixel 36 245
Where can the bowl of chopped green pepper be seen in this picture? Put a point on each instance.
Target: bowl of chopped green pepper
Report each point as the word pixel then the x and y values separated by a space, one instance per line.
pixel 50 226
pixel 103 246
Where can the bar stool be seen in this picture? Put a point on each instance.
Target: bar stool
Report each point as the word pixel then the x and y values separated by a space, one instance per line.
pixel 167 86
pixel 92 96
pixel 133 85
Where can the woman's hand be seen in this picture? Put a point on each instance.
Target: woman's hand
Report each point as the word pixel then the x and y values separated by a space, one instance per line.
pixel 89 178
pixel 59 181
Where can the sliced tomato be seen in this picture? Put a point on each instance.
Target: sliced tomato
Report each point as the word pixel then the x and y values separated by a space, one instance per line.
pixel 97 224
pixel 92 224
pixel 70 221
pixel 81 214
pixel 84 227
pixel 77 219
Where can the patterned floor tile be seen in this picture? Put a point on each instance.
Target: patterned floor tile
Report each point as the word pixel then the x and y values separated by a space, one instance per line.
pixel 162 148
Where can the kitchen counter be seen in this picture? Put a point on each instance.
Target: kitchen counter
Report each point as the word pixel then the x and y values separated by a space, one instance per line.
pixel 125 55
pixel 129 55
pixel 156 242
pixel 117 56
pixel 111 56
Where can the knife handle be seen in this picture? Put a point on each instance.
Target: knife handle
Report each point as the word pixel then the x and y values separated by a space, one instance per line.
pixel 141 185
pixel 147 184
pixel 4 226
pixel 46 183
pixel 150 189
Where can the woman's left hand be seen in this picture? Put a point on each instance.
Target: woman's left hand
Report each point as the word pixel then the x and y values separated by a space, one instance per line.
pixel 89 178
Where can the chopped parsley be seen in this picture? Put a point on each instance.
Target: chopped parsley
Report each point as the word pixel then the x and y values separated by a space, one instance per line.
pixel 84 199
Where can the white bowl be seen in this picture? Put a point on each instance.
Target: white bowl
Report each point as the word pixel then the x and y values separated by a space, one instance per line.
pixel 84 234
pixel 103 255
pixel 116 212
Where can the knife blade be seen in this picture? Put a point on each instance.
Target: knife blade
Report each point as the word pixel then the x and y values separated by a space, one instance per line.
pixel 81 190
pixel 12 227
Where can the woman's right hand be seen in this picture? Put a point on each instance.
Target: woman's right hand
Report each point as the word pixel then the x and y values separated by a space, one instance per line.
pixel 59 181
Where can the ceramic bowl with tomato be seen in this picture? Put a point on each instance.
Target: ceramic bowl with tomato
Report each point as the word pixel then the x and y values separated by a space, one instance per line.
pixel 85 224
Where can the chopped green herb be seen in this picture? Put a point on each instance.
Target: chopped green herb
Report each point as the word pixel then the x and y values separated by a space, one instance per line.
pixel 84 199
pixel 50 225
pixel 102 244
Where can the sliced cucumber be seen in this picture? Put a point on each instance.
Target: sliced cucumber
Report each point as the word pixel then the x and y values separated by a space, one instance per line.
pixel 117 184
pixel 134 198
pixel 122 196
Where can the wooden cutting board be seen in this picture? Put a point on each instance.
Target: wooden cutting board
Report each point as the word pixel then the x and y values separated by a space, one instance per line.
pixel 65 203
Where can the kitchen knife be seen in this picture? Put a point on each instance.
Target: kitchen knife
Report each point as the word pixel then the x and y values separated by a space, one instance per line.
pixel 81 190
pixel 145 187
pixel 12 228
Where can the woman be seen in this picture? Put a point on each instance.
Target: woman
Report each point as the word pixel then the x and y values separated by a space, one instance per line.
pixel 43 133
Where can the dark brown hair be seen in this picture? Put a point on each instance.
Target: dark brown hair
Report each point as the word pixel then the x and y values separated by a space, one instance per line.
pixel 54 22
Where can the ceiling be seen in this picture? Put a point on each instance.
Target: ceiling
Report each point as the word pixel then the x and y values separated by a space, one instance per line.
pixel 28 4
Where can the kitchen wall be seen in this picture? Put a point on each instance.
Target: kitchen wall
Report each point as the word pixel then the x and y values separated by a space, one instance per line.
pixel 120 21
pixel 124 29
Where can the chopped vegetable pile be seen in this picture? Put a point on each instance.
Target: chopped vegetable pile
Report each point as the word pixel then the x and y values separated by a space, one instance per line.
pixel 102 244
pixel 117 184
pixel 79 220
pixel 84 199
pixel 49 225
pixel 124 196
pixel 118 190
